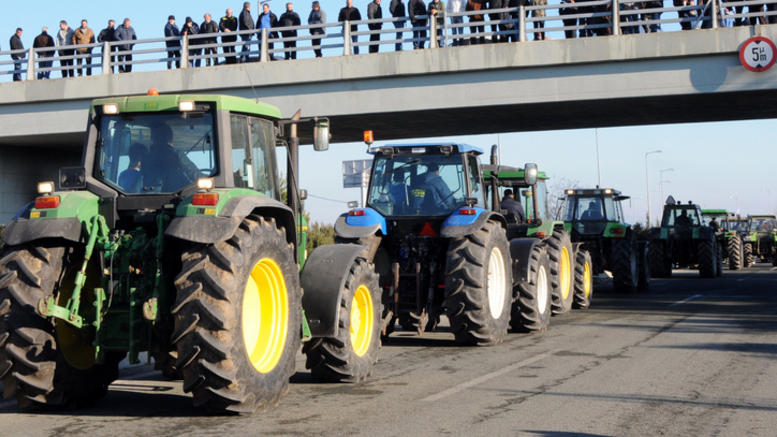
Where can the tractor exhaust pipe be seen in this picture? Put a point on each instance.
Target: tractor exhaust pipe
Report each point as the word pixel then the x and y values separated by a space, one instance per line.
pixel 495 155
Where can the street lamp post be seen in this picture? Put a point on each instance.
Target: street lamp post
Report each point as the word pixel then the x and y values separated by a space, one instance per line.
pixel 661 181
pixel 647 183
pixel 661 187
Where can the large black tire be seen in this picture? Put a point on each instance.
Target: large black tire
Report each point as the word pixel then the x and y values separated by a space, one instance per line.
pixel 584 284
pixel 351 355
pixel 707 252
pixel 531 308
pixel 623 261
pixel 660 262
pixel 643 265
pixel 478 283
pixel 718 260
pixel 33 365
pixel 747 254
pixel 561 255
pixel 735 258
pixel 217 328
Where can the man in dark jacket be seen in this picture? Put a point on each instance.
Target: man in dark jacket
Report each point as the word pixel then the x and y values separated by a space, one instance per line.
pixel 513 208
pixel 476 21
pixel 44 40
pixel 245 22
pixel 317 16
pixel 125 33
pixel 267 20
pixel 374 12
pixel 288 19
pixel 228 26
pixel 397 9
pixel 350 13
pixel 417 9
pixel 109 35
pixel 190 28
pixel 173 45
pixel 210 28
pixel 18 58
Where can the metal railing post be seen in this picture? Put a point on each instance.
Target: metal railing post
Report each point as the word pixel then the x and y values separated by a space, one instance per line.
pixel 714 15
pixel 433 31
pixel 31 64
pixel 265 47
pixel 185 51
pixel 107 67
pixel 616 17
pixel 522 23
pixel 347 50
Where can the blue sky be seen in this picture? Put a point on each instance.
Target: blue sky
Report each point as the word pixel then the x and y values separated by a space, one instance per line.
pixel 730 165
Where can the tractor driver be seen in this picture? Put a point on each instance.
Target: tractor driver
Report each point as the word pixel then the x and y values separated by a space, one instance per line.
pixel 714 224
pixel 513 207
pixel 682 221
pixel 166 169
pixel 437 197
pixel 594 211
pixel 130 179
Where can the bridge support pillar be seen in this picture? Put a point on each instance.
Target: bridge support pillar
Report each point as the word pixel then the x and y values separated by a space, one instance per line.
pixel 31 64
pixel 616 17
pixel 264 46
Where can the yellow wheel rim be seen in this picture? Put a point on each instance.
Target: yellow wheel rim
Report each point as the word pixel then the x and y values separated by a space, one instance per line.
pixel 265 315
pixel 564 273
pixel 587 279
pixel 77 349
pixel 361 320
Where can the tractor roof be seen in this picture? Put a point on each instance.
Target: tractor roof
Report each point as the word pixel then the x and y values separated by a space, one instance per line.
pixel 616 194
pixel 763 216
pixel 505 172
pixel 714 212
pixel 169 102
pixel 421 148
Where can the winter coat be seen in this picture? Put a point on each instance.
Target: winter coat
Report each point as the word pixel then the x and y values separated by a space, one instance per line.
pixel 44 40
pixel 317 17
pixel 125 34
pixel 81 36
pixel 397 8
pixel 245 21
pixel 107 34
pixel 228 25
pixel 65 38
pixel 16 44
pixel 439 6
pixel 415 9
pixel 476 5
pixel 350 14
pixel 194 29
pixel 374 12
pixel 209 28
pixel 172 30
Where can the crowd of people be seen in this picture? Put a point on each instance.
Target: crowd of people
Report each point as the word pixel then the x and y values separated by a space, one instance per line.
pixel 203 38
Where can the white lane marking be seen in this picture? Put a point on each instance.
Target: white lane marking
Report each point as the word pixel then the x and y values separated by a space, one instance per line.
pixel 486 377
pixel 773 268
pixel 687 299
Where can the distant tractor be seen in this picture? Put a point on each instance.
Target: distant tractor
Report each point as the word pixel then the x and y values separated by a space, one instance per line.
pixel 571 280
pixel 441 250
pixel 594 217
pixel 760 243
pixel 683 241
pixel 729 240
pixel 172 239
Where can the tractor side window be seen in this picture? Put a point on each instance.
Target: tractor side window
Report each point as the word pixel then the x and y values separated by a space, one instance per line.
pixel 264 162
pixel 668 219
pixel 242 167
pixel 474 181
pixel 542 201
pixel 609 209
pixel 568 209
pixel 621 218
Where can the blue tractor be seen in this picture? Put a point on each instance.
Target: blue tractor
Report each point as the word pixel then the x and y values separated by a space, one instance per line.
pixel 438 241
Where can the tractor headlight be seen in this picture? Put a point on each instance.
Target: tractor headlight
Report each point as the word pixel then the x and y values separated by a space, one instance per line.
pixel 186 106
pixel 110 109
pixel 45 187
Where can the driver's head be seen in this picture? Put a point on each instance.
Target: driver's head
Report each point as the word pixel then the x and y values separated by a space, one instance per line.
pixel 137 153
pixel 684 213
pixel 161 135
pixel 508 193
pixel 592 205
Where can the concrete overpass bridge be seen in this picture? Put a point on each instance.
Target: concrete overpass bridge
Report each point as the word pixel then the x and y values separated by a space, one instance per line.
pixel 620 80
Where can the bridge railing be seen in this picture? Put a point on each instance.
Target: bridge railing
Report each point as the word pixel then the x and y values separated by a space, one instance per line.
pixel 515 24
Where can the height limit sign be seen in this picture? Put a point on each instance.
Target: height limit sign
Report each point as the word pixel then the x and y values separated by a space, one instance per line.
pixel 757 54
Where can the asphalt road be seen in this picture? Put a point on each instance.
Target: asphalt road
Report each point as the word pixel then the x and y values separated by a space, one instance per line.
pixel 691 357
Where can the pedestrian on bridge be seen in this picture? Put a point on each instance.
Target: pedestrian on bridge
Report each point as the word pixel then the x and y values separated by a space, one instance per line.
pixel 350 13
pixel 397 9
pixel 210 28
pixel 417 12
pixel 539 15
pixel 317 17
pixel 84 35
pixel 289 19
pixel 476 26
pixel 497 17
pixel 652 16
pixel 43 44
pixel 191 28
pixel 246 23
pixel 374 12
pixel 437 13
pixel 125 33
pixel 267 20
pixel 65 39
pixel 228 26
pixel 173 45
pixel 570 9
pixel 454 8
pixel 109 35
pixel 18 58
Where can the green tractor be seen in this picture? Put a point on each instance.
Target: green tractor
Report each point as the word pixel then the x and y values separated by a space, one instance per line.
pixel 729 240
pixel 594 217
pixel 172 239
pixel 683 241
pixel 760 242
pixel 571 273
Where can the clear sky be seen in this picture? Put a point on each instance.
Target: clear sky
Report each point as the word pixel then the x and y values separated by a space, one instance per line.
pixel 719 165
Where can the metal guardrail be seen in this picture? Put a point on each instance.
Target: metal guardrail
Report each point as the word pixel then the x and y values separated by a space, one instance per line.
pixel 539 21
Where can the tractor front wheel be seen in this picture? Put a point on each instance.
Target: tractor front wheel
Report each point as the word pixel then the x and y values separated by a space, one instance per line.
pixel 707 252
pixel 584 284
pixel 561 271
pixel 625 274
pixel 747 254
pixel 531 308
pixel 734 245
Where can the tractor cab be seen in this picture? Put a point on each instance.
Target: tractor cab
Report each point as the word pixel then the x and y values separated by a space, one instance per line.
pixel 681 217
pixel 594 212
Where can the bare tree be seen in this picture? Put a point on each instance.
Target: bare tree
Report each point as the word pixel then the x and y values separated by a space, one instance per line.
pixel 557 196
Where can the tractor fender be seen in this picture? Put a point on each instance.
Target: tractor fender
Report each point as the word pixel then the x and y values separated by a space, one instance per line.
pixel 706 233
pixel 209 230
pixel 358 226
pixel 458 225
pixel 520 252
pixel 22 230
pixel 323 279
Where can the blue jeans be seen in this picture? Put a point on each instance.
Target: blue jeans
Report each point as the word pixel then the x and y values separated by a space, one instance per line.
pixel 457 30
pixel 419 36
pixel 355 48
pixel 399 25
pixel 244 57
pixel 44 64
pixel 17 69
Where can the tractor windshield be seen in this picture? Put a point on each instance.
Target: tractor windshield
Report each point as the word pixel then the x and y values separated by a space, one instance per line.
pixel 738 225
pixel 682 216
pixel 148 153
pixel 419 185
pixel 763 224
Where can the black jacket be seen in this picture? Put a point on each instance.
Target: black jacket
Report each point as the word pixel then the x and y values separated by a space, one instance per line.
pixel 107 34
pixel 289 18
pixel 231 24
pixel 273 23
pixel 350 14
pixel 416 8
pixel 514 209
pixel 397 8
pixel 16 44
pixel 44 40
pixel 211 28
pixel 374 12
pixel 246 21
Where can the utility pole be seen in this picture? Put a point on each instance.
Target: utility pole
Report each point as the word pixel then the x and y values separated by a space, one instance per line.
pixel 598 164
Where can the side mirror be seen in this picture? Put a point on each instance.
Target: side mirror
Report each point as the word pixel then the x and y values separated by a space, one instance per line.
pixel 72 178
pixel 303 194
pixel 530 173
pixel 321 136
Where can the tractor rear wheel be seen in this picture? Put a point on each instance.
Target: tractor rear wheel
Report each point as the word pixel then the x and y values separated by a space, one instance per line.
pixel 561 271
pixel 531 309
pixel 584 284
pixel 660 261
pixel 478 283
pixel 351 355
pixel 623 260
pixel 45 362
pixel 643 265
pixel 734 245
pixel 237 318
pixel 707 252
pixel 747 254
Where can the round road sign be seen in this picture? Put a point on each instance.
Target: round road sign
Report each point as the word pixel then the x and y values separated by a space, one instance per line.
pixel 758 54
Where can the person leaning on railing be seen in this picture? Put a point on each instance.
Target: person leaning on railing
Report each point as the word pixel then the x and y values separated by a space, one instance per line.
pixel 191 28
pixel 125 33
pixel 41 43
pixel 350 13
pixel 317 17
pixel 374 12
pixel 437 13
pixel 64 39
pixel 209 27
pixel 652 16
pixel 289 19
pixel 109 35
pixel 476 21
pixel 453 8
